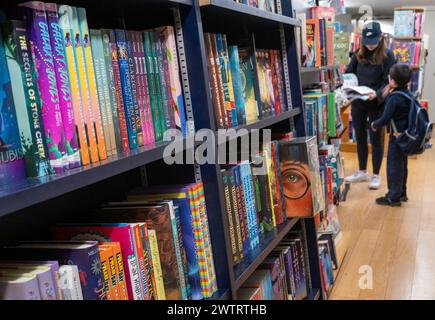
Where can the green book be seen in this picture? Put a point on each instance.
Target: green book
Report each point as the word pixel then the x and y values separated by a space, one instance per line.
pixel 332 116
pixel 26 97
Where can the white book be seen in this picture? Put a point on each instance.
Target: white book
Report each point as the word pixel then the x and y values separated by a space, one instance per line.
pixel 69 282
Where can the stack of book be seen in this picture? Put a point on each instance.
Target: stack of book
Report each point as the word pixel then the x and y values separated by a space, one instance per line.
pixel 247 84
pixel 145 248
pixel 408 23
pixel 76 96
pixel 331 170
pixel 282 275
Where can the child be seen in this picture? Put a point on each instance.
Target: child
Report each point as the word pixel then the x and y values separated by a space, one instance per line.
pixel 396 110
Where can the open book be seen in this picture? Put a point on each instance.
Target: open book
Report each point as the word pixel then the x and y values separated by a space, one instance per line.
pixel 353 91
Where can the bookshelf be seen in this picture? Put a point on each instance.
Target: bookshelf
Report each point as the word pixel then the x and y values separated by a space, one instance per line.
pixel 28 209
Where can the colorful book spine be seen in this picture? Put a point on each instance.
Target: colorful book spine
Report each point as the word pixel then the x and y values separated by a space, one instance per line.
pixel 69 279
pixel 109 288
pixel 153 85
pixel 65 18
pixel 233 241
pixel 137 240
pixel 125 144
pixel 167 36
pixel 111 88
pixel 103 90
pixel 134 92
pixel 39 38
pixel 223 76
pixel 26 97
pixel 236 214
pixel 63 86
pixel 245 171
pixel 83 80
pixel 183 253
pixel 237 84
pixel 229 77
pixel 247 66
pixel 117 264
pixel 151 282
pixel 158 273
pixel 95 104
pixel 127 91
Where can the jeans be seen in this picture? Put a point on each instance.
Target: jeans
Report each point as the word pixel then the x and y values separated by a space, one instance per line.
pixel 361 110
pixel 397 171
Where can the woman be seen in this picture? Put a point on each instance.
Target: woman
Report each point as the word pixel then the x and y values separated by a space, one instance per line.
pixel 371 64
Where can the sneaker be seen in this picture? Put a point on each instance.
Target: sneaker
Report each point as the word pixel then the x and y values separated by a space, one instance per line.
pixel 375 182
pixel 404 198
pixel 359 176
pixel 385 201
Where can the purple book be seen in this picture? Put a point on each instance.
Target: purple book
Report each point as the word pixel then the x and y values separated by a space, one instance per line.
pixel 39 38
pixel 83 254
pixel 63 86
pixel 19 287
pixel 54 271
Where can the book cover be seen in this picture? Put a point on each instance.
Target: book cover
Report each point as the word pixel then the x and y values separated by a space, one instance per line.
pixel 219 108
pixel 109 289
pixel 26 98
pixel 236 215
pixel 241 204
pixel 127 90
pixel 84 254
pixel 167 36
pixel 140 258
pixel 404 23
pixel 121 233
pixel 77 44
pixel 63 86
pixel 313 43
pixel 236 73
pixel 69 281
pixel 47 288
pixel 158 272
pixel 265 83
pixel 117 266
pixel 125 145
pixel 65 18
pixel 149 266
pixel 134 92
pixel 103 91
pixel 39 38
pixel 402 51
pixel 19 286
pixel 111 91
pixel 247 66
pixel 89 64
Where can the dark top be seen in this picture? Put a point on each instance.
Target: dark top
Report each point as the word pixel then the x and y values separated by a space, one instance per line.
pixel 397 109
pixel 370 75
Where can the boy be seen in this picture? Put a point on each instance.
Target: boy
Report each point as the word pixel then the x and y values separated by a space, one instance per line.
pixel 396 110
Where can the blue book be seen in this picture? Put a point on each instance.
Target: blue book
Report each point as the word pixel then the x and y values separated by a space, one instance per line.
pixel 11 153
pixel 236 75
pixel 83 254
pixel 404 23
pixel 245 174
pixel 281 191
pixel 127 90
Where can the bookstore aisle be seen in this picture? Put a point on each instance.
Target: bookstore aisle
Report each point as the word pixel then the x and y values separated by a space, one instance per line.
pixel 396 242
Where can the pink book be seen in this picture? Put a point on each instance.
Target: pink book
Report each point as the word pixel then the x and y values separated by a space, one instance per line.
pixel 109 232
pixel 417 24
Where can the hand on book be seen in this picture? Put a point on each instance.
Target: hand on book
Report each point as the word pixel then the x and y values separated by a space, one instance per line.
pixel 372 96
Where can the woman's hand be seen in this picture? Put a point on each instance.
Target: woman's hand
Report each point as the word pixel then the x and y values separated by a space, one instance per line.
pixel 372 96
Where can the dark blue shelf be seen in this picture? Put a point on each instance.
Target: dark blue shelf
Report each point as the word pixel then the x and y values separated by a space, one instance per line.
pixel 268 242
pixel 32 191
pixel 225 7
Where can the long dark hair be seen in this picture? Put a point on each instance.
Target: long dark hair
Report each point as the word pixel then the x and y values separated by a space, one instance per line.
pixel 379 54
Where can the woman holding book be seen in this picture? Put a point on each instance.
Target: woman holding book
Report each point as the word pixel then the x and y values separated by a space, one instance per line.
pixel 371 64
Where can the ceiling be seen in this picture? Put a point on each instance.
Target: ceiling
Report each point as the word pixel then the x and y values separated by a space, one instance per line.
pixel 384 8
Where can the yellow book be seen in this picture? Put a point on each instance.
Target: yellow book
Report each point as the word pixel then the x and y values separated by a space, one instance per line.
pixel 158 274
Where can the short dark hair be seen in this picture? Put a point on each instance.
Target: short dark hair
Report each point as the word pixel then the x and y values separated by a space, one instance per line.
pixel 401 73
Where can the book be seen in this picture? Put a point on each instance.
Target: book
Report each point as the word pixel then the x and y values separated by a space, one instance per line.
pixel 47 287
pixel 301 177
pixel 63 86
pixel 236 75
pixel 92 85
pixel 149 265
pixel 110 284
pixel 111 87
pixel 69 281
pixel 247 66
pixel 404 23
pixel 117 266
pixel 27 100
pixel 102 83
pixel 19 286
pixel 313 43
pixel 65 25
pixel 84 254
pixel 121 233
pixel 158 273
pixel 39 38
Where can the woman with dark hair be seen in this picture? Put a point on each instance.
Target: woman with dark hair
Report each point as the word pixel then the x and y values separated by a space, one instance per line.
pixel 371 64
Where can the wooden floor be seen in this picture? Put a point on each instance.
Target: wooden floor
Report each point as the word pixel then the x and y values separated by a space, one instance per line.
pixel 398 244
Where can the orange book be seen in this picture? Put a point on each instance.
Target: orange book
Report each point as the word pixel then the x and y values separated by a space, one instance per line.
pixel 118 267
pixel 313 42
pixel 109 288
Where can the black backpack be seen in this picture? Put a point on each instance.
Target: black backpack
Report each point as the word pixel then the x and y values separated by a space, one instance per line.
pixel 415 140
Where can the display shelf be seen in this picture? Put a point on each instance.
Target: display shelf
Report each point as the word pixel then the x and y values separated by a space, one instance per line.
pixel 315 69
pixel 270 121
pixel 230 7
pixel 32 191
pixel 408 38
pixel 268 242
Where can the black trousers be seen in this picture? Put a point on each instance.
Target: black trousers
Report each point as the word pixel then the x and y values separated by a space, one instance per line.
pixel 397 171
pixel 361 111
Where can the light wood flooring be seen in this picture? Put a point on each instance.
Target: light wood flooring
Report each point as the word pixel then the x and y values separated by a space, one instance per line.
pixel 397 243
